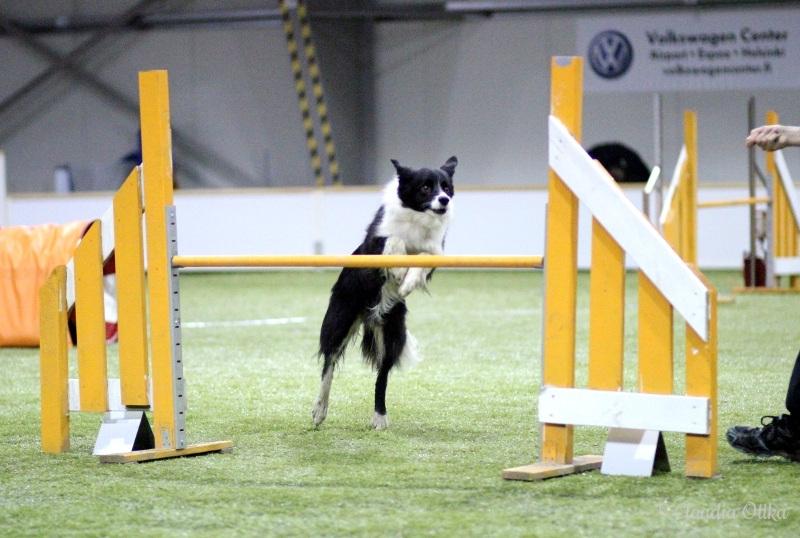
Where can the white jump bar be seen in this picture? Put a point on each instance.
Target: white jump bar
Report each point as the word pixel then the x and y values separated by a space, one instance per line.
pixel 631 410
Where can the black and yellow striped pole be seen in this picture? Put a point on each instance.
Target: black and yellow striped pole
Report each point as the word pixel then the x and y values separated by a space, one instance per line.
pixel 321 108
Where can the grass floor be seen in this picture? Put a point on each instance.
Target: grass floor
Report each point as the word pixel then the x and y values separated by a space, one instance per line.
pixel 457 419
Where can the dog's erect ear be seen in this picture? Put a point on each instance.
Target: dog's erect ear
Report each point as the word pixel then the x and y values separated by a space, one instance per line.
pixel 450 166
pixel 402 171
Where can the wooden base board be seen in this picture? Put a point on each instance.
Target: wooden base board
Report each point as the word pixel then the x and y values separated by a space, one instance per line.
pixel 541 470
pixel 766 291
pixel 140 456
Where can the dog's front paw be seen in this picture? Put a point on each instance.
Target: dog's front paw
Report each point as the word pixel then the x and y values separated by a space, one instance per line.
pixel 398 273
pixel 380 422
pixel 319 412
pixel 415 278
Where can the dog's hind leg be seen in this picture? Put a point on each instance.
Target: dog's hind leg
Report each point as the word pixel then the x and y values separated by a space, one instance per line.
pixel 338 328
pixel 394 341
pixel 380 421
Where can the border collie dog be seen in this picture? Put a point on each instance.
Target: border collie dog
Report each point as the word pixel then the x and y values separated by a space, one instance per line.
pixel 412 220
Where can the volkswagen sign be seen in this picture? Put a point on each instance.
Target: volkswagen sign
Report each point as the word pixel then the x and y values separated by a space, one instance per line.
pixel 610 54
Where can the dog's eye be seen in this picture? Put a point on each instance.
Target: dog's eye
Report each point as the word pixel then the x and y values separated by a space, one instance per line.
pixel 426 189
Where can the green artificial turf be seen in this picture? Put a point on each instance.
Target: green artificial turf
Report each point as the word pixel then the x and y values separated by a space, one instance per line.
pixel 457 419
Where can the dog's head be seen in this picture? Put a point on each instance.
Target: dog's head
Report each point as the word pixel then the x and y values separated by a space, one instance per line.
pixel 426 190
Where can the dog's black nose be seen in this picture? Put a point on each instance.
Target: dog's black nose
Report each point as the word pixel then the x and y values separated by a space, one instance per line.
pixel 444 200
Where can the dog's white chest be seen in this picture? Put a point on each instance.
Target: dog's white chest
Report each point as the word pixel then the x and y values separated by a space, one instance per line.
pixel 420 232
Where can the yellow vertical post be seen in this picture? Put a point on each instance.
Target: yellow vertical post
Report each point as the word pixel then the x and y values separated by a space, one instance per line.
pixel 558 346
pixel 671 227
pixel 783 221
pixel 680 213
pixel 778 199
pixel 690 185
pixel 606 311
pixel 655 339
pixel 54 362
pixel 129 262
pixel 157 170
pixel 701 380
pixel 90 319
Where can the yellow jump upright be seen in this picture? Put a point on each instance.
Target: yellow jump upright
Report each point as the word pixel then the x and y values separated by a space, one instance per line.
pixel 169 424
pixel 157 371
pixel 54 363
pixel 561 253
pixel 785 221
pixel 679 215
pixel 132 313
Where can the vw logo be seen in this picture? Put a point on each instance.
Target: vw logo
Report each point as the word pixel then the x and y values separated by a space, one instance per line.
pixel 610 54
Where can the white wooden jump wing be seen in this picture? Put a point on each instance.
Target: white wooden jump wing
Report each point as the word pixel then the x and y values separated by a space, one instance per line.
pixel 631 410
pixel 626 224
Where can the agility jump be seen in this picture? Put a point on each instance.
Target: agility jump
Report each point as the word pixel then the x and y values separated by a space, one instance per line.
pixel 678 218
pixel 665 282
pixel 156 384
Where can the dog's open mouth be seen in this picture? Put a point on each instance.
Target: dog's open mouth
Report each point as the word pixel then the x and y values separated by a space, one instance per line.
pixel 440 211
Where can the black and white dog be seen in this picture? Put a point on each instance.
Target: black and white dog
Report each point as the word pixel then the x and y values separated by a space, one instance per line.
pixel 413 219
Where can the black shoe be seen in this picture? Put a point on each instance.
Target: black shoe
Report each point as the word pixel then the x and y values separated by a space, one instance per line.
pixel 777 437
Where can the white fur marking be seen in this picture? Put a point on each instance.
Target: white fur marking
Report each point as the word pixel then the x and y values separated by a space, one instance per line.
pixel 320 410
pixel 395 245
pixel 390 296
pixel 437 204
pixel 416 278
pixel 410 356
pixel 380 422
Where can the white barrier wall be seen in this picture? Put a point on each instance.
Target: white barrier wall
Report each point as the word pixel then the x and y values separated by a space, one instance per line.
pixel 333 221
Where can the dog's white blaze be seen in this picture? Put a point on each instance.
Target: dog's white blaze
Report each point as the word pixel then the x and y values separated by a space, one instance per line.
pixel 437 204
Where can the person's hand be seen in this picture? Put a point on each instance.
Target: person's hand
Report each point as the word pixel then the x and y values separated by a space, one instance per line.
pixel 772 137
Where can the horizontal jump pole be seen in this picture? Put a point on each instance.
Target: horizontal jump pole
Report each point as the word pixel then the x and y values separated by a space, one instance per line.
pixel 367 261
pixel 734 201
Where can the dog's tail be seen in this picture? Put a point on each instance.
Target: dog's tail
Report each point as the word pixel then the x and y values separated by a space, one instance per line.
pixel 410 355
